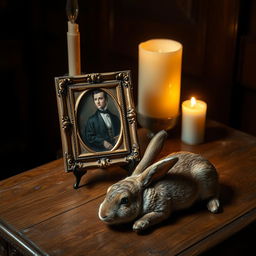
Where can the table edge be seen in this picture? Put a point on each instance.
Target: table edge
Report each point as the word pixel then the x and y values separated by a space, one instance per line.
pixel 18 241
pixel 220 235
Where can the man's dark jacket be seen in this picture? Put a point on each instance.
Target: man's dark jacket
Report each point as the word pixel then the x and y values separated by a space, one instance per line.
pixel 96 131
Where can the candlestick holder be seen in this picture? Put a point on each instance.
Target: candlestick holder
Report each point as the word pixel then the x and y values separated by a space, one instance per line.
pixel 154 124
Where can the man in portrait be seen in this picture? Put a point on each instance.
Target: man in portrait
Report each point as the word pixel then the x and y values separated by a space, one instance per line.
pixel 103 127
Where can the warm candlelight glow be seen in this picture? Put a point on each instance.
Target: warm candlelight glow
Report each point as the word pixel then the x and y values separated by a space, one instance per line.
pixel 193 102
pixel 159 78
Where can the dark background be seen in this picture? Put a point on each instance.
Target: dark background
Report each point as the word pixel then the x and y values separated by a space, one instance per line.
pixel 218 37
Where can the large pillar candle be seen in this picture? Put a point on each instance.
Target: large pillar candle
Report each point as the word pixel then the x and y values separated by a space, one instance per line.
pixel 159 78
pixel 193 121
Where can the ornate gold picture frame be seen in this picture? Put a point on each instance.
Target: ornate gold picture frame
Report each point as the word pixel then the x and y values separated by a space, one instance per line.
pixel 98 121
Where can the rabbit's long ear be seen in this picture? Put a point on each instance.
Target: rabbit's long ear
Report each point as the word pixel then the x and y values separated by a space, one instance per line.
pixel 153 149
pixel 157 171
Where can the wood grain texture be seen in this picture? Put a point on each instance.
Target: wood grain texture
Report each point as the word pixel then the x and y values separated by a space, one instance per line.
pixel 42 204
pixel 47 191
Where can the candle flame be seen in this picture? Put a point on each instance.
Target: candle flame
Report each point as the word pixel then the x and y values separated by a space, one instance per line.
pixel 193 102
pixel 72 10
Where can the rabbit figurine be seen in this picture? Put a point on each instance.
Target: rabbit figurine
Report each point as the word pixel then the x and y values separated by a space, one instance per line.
pixel 154 191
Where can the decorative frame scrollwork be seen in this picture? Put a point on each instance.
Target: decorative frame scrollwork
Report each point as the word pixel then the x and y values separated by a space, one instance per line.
pixel 71 93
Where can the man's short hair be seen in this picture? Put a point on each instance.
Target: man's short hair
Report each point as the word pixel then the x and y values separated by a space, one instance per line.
pixel 96 91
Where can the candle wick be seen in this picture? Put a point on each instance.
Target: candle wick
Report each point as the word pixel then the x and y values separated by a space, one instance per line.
pixel 192 102
pixel 72 19
pixel 72 10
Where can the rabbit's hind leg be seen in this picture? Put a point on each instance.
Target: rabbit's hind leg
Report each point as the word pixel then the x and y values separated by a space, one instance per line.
pixel 213 205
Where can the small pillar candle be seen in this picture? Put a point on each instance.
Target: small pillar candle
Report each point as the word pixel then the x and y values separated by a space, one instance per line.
pixel 159 78
pixel 193 121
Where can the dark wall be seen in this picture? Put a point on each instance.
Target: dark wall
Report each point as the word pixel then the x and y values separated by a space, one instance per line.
pixel 33 51
pixel 244 92
pixel 218 44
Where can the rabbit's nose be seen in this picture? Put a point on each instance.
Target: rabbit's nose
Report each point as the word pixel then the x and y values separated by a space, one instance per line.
pixel 103 217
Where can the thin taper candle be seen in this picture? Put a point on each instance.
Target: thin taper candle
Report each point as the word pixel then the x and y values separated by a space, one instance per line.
pixel 73 39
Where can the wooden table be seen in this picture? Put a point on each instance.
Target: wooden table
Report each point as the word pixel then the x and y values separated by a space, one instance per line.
pixel 41 213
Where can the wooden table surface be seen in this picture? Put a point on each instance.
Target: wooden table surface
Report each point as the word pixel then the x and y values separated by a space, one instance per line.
pixel 43 207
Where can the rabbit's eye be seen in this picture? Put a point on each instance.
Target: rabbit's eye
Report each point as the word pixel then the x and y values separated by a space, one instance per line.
pixel 124 200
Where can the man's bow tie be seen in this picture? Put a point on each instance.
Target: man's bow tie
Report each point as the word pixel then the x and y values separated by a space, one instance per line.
pixel 104 111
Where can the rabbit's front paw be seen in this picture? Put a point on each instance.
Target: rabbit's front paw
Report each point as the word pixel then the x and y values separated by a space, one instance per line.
pixel 140 225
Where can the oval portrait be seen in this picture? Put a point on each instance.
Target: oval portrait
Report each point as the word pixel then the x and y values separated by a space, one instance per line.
pixel 98 120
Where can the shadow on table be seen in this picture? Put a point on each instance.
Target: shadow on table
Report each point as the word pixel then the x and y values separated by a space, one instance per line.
pixel 213 133
pixel 112 174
